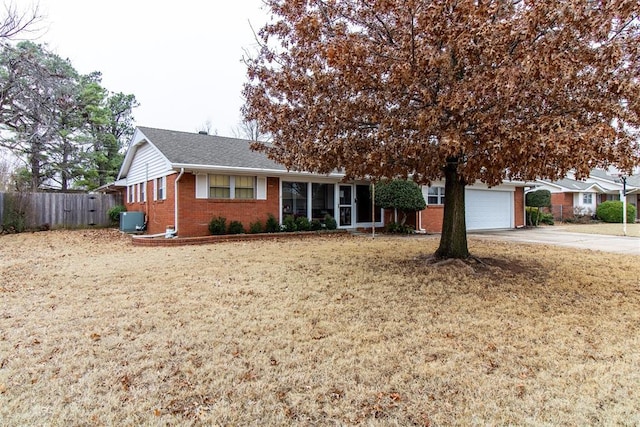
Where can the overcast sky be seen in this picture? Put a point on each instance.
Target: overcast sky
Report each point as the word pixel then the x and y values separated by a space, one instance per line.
pixel 181 59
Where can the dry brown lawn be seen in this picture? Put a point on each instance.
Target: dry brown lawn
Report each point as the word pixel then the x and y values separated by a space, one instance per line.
pixel 324 331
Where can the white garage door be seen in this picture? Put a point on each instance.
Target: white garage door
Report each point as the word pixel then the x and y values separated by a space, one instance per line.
pixel 486 209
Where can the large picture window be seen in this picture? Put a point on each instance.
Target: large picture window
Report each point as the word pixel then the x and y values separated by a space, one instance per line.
pixel 322 200
pixel 294 198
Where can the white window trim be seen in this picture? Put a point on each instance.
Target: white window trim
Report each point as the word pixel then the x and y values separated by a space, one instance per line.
pixel 163 181
pixel 203 189
pixel 141 192
pixel 440 196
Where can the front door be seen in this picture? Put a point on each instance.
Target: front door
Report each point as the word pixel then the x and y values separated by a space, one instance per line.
pixel 345 206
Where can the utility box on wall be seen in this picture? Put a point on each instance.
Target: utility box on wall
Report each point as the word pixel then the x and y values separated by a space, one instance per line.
pixel 131 222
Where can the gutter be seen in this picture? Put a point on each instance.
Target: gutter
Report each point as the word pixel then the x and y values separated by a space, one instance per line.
pixel 242 169
pixel 175 205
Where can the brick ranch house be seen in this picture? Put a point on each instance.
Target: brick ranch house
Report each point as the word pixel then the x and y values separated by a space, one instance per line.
pixel 182 180
pixel 570 197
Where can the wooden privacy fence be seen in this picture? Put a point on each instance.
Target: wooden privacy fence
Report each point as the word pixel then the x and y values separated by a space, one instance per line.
pixel 58 210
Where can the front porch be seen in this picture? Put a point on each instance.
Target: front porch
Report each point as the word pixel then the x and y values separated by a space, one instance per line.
pixel 350 204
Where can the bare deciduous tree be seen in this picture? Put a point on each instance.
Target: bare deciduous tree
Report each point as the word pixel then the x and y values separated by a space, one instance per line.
pixel 249 129
pixel 14 21
pixel 207 127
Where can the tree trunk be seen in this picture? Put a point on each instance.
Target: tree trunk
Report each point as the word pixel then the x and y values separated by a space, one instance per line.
pixel 35 172
pixel 453 240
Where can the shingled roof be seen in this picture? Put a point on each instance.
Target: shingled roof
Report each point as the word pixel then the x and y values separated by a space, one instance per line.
pixel 185 148
pixel 572 184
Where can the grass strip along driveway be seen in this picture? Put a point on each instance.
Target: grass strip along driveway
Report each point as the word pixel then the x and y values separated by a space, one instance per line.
pixel 331 330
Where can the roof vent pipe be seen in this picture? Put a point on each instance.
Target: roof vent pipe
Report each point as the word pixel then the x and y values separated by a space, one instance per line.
pixel 203 132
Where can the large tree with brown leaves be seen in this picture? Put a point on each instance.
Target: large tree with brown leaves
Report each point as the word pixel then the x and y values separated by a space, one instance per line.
pixel 465 90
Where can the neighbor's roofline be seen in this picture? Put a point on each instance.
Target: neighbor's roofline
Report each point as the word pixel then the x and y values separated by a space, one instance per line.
pixel 575 190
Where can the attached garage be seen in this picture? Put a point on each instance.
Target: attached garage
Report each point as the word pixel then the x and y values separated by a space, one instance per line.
pixel 489 209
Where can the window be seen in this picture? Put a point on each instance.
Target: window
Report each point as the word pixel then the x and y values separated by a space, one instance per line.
pixel 294 198
pixel 161 192
pixel 142 192
pixel 435 196
pixel 322 200
pixel 219 186
pixel 232 187
pixel 131 193
pixel 587 198
pixel 613 197
pixel 244 187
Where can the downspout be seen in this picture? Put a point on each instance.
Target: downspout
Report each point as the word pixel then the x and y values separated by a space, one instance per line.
pixel 175 205
pixel 146 194
pixel 524 210
pixel 420 229
pixel 373 210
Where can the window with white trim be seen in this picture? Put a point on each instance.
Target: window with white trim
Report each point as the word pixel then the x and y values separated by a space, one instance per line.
pixel 244 187
pixel 587 198
pixel 142 192
pixel 232 187
pixel 435 196
pixel 161 188
pixel 131 193
pixel 219 186
pixel 294 198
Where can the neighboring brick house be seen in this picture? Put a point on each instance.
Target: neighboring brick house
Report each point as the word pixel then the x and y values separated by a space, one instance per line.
pixel 182 180
pixel 571 197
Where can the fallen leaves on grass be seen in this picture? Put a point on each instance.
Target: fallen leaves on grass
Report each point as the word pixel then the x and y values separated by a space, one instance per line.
pixel 315 332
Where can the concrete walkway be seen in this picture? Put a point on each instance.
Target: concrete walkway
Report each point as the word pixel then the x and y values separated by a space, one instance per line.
pixel 556 236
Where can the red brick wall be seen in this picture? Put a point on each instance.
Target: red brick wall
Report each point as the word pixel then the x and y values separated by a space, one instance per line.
pixel 518 205
pixel 161 213
pixel 432 218
pixel 195 214
pixel 562 205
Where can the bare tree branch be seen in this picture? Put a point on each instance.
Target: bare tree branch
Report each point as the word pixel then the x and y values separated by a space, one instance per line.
pixel 15 21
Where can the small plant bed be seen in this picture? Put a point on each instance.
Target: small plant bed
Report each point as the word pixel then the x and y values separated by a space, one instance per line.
pixel 203 240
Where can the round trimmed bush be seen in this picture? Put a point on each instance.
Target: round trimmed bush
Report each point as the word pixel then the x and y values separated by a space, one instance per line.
pixel 272 225
pixel 236 227
pixel 289 224
pixel 303 223
pixel 611 211
pixel 255 227
pixel 330 222
pixel 218 226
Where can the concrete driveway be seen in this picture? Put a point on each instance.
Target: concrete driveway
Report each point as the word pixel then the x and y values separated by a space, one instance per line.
pixel 555 236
